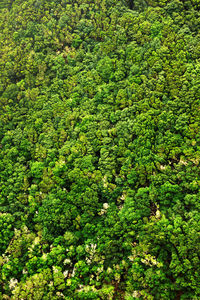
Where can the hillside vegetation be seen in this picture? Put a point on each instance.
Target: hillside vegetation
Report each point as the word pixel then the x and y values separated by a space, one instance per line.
pixel 100 150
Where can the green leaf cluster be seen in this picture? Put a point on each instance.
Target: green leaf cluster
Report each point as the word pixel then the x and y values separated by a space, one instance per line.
pixel 99 149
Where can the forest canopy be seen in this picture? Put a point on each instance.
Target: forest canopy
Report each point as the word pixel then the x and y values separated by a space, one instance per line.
pixel 99 149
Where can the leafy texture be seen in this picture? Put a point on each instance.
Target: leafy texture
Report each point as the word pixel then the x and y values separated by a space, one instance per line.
pixel 100 149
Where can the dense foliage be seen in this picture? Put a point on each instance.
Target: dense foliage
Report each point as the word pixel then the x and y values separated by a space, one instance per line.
pixel 100 149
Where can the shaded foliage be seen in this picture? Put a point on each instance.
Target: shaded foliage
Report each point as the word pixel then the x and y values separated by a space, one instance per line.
pixel 99 150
